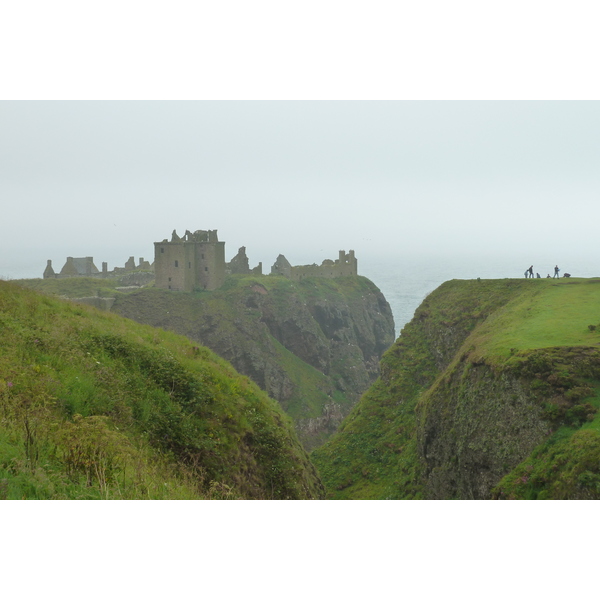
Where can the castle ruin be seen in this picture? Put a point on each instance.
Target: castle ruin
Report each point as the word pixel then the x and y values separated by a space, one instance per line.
pixel 240 265
pixel 196 260
pixel 85 267
pixel 345 266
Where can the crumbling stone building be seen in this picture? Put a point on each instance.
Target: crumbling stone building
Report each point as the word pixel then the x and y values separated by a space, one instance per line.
pixel 345 266
pixel 240 265
pixel 85 267
pixel 73 267
pixel 196 260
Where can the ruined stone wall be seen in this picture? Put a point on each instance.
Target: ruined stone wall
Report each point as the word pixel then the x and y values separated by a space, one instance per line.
pixel 49 271
pixel 85 267
pixel 169 261
pixel 137 278
pixel 188 265
pixel 325 271
pixel 210 261
pixel 239 264
pixel 345 266
pixel 282 267
pixel 69 269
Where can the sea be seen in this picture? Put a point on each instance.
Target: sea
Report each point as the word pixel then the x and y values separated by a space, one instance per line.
pixel 406 283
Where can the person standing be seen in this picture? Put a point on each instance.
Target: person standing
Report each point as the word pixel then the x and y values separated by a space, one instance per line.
pixel 530 271
pixel 556 270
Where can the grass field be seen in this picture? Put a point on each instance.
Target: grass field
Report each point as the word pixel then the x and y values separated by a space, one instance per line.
pixel 551 314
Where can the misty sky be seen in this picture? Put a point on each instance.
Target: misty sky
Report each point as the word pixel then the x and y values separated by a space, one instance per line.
pixel 406 179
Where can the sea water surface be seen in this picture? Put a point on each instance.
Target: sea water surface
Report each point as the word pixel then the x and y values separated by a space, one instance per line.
pixel 406 282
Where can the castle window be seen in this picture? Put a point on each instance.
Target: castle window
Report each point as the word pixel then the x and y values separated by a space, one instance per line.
pixel 189 265
pixel 206 268
pixel 176 263
pixel 203 256
pixel 169 279
pixel 162 250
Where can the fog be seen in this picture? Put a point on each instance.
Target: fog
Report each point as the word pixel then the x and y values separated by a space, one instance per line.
pixel 391 180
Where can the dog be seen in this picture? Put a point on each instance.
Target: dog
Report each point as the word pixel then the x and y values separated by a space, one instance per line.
pixel 566 274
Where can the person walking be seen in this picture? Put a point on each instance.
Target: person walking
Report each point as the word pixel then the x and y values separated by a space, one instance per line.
pixel 530 271
pixel 556 270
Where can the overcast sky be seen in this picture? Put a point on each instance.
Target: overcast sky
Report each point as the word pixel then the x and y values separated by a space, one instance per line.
pixel 402 178
pixel 394 179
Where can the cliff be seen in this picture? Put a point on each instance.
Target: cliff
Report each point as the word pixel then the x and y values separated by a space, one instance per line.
pixel 491 391
pixel 93 405
pixel 313 345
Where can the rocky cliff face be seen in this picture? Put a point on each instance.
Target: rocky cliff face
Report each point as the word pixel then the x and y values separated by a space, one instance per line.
pixel 526 428
pixel 313 345
pixel 476 426
pixel 492 391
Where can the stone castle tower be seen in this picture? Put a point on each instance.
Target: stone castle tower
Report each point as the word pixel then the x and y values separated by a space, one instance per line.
pixel 196 260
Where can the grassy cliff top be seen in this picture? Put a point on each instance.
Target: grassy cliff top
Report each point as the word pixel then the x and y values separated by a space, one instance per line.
pixel 87 286
pixel 74 287
pixel 551 313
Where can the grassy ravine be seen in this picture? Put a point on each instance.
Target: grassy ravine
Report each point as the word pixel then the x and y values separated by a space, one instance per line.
pixel 490 392
pixel 94 406
pixel 312 345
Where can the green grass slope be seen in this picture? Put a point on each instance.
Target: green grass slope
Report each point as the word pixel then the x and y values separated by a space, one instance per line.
pixel 491 391
pixel 75 287
pixel 93 405
pixel 313 345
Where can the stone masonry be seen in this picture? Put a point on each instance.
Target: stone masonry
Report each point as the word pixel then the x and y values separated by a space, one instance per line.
pixel 194 261
pixel 345 266
pixel 85 267
pixel 240 265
